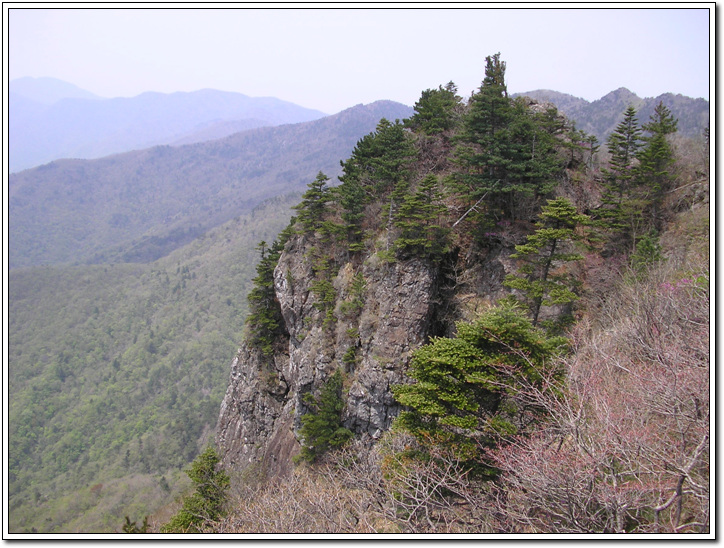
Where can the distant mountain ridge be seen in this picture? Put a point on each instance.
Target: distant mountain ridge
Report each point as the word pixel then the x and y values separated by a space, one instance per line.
pixel 46 125
pixel 140 205
pixel 48 90
pixel 600 117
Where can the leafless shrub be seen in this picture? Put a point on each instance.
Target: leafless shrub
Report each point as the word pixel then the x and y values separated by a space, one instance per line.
pixel 627 446
pixel 433 494
pixel 364 490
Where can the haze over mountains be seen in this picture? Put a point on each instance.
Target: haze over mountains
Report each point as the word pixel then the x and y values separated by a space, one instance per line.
pixel 140 205
pixel 47 91
pixel 51 119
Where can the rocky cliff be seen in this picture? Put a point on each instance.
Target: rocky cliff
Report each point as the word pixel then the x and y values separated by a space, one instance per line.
pixel 437 219
pixel 363 310
pixel 376 325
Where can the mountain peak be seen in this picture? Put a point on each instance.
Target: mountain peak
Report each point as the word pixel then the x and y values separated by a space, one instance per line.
pixel 48 90
pixel 621 94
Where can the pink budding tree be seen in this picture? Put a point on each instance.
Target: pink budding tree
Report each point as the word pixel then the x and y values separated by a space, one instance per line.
pixel 626 448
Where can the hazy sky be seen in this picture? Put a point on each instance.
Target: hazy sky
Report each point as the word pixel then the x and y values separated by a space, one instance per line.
pixel 331 59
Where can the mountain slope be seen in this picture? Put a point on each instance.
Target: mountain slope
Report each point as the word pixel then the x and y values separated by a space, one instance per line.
pixel 393 315
pixel 48 90
pixel 140 205
pixel 118 381
pixel 74 127
pixel 600 117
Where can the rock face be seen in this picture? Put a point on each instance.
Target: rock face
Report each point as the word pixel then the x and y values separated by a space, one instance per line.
pixel 375 327
pixel 255 413
pixel 365 312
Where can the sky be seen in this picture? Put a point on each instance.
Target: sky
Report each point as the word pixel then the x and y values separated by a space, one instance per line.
pixel 332 59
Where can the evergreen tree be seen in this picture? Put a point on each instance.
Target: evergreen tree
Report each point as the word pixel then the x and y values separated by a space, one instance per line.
pixel 378 167
pixel 264 320
pixel 207 502
pixel 488 115
pixel 579 141
pixel 647 252
pixel 352 200
pixel 662 121
pixel 312 208
pixel 322 428
pixel 380 159
pixel 593 147
pixel 533 162
pixel 542 278
pixel 507 152
pixel 419 221
pixel 624 142
pixel 436 111
pixel 132 527
pixel 463 394
pixel 655 159
pixel 621 209
pixel 324 269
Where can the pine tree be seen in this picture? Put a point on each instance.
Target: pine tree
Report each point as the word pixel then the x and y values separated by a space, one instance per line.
pixel 621 211
pixel 655 159
pixel 624 142
pixel 647 252
pixel 264 320
pixel 207 502
pixel 132 527
pixel 325 295
pixel 533 163
pixel 593 147
pixel 312 208
pixel 462 394
pixel 507 152
pixel 488 115
pixel 322 428
pixel 542 277
pixel 352 200
pixel 381 159
pixel 378 167
pixel 436 111
pixel 418 218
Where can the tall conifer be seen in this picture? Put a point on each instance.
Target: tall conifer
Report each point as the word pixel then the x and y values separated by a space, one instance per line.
pixel 543 278
pixel 655 160
pixel 312 207
pixel 621 210
pixel 419 220
pixel 507 151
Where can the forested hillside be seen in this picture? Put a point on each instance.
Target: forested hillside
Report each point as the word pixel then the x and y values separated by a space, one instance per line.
pixel 487 327
pixel 110 354
pixel 139 206
pixel 116 385
pixel 482 320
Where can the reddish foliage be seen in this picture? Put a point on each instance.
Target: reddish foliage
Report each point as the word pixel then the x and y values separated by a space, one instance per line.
pixel 627 446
